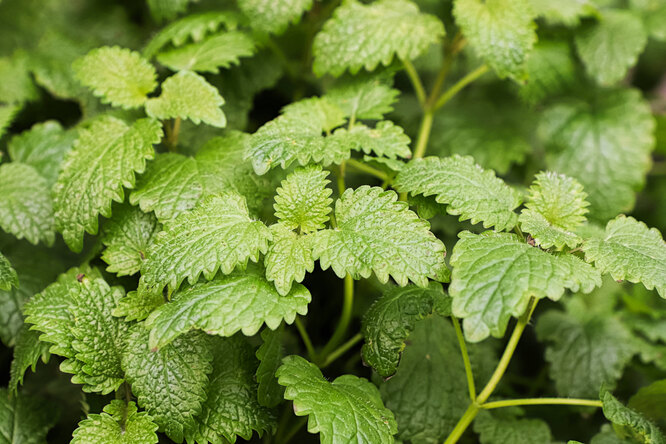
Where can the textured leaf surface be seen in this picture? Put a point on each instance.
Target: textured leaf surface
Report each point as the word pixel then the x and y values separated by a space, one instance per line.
pixel 217 234
pixel 8 276
pixel 347 409
pixel 302 201
pixel 231 408
pixel 495 274
pixel 604 143
pixel 386 139
pixel 209 55
pixel 651 401
pixel 363 36
pixel 135 306
pixel 104 160
pixel 127 237
pixel 16 85
pixel 273 16
pixel 288 258
pixel 270 354
pixel 629 423
pixel 502 32
pixel 390 320
pixel 24 419
pixel 584 353
pixel 564 12
pixel 26 209
pixel 119 423
pixel 118 76
pixel 28 350
pixel 244 300
pixel 469 191
pixel 610 47
pixel 630 251
pixel 43 146
pixel 375 233
pixel 167 9
pixel 189 96
pixel 170 383
pixel 363 97
pixel 7 114
pixel 494 430
pixel 551 70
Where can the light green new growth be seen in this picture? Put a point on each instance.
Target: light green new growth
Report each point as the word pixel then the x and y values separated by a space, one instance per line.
pixel 564 12
pixel 8 276
pixel 16 85
pixel 390 320
pixel 136 307
pixel 502 32
pixel 302 201
pixel 469 191
pixel 386 139
pixel 496 274
pixel 273 16
pixel 630 251
pixel 117 75
pixel 340 411
pixel 629 423
pixel 288 258
pixel 104 159
pixel 26 209
pixel 170 383
pixel 217 234
pixel 269 354
pixel 376 233
pixel 187 95
pixel 610 47
pixel 363 97
pixel 243 301
pixel 167 9
pixel 363 36
pixel 209 55
pixel 7 115
pixel 119 423
pixel 555 208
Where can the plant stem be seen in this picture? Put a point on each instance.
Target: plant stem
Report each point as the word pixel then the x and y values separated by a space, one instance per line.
pixel 343 323
pixel 463 423
pixel 424 134
pixel 341 178
pixel 541 401
pixel 457 87
pixel 296 427
pixel 335 354
pixel 465 356
pixel 360 166
pixel 306 338
pixel 172 133
pixel 416 81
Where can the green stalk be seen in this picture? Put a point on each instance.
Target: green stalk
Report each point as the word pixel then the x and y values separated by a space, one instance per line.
pixel 462 83
pixel 363 167
pixel 541 401
pixel 468 366
pixel 416 82
pixel 343 323
pixel 335 354
pixel 306 338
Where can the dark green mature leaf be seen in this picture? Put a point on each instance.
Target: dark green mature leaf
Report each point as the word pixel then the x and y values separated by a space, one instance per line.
pixel 244 301
pixel 169 383
pixel 25 419
pixel 8 276
pixel 105 158
pixel 376 233
pixel 28 350
pixel 651 401
pixel 119 423
pixel 629 423
pixel 551 70
pixel 347 409
pixel 270 354
pixel 493 430
pixel 363 36
pixel 273 16
pixel 231 408
pixel 390 320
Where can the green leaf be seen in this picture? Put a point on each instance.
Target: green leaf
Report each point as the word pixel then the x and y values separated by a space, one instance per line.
pixel 162 10
pixel 604 142
pixel 231 408
pixel 28 350
pixel 136 306
pixel 386 139
pixel 495 274
pixel 8 276
pixel 376 233
pixel 302 201
pixel 363 97
pixel 391 319
pixel 564 12
pixel 584 352
pixel 244 301
pixel 499 430
pixel 630 251
pixel 117 75
pixel 345 410
pixel 25 419
pixel 605 436
pixel 169 383
pixel 74 315
pixel 169 186
pixel 127 237
pixel 502 32
pixel 26 209
pixel 653 13
pixel 105 158
pixel 363 36
pixel 43 147
pixel 469 191
pixel 288 258
pixel 217 234
pixel 551 70
pixel 209 55
pixel 628 423
pixel 271 16
pixel 16 85
pixel 119 423
pixel 7 115
pixel 269 354
pixel 651 401
pixel 611 46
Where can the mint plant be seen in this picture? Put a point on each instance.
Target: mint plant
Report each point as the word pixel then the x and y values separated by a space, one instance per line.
pixel 338 221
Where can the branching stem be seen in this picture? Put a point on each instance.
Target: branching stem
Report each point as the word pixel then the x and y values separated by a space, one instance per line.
pixel 335 354
pixel 306 338
pixel 363 167
pixel 343 323
pixel 458 86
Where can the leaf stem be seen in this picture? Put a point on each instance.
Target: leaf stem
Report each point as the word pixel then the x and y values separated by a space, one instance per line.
pixel 424 134
pixel 306 338
pixel 360 166
pixel 458 86
pixel 468 366
pixel 343 323
pixel 416 82
pixel 541 401
pixel 335 354
pixel 172 133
